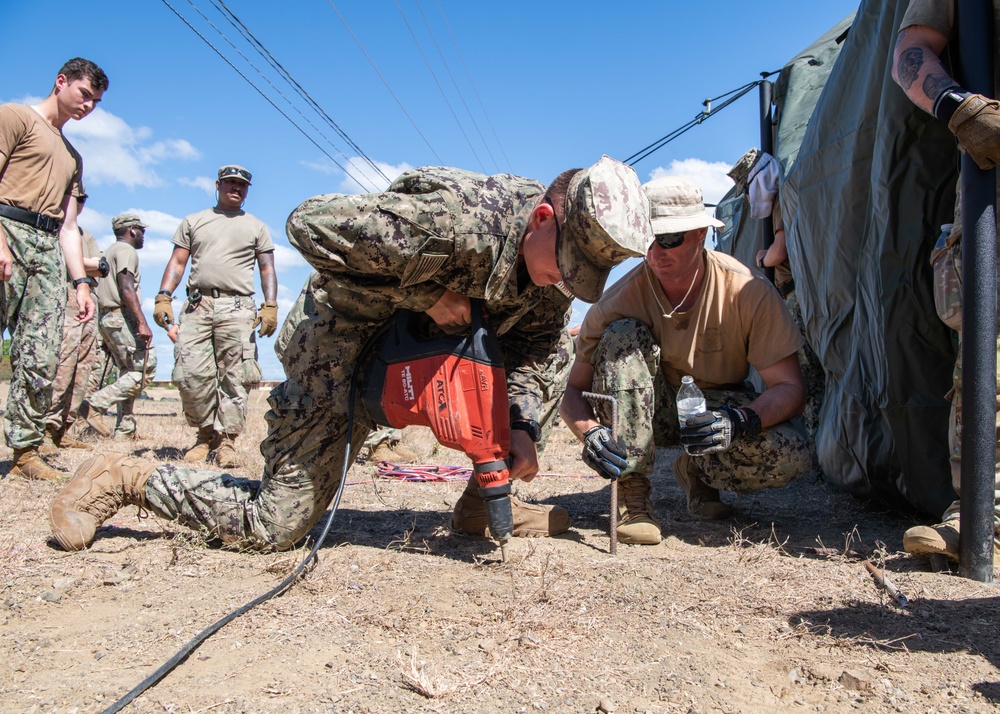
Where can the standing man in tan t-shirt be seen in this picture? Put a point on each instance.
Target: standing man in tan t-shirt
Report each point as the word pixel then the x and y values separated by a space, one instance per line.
pixel 40 173
pixel 77 354
pixel 683 311
pixel 215 355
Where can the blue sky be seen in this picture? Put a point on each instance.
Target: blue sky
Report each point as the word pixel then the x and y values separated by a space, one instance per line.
pixel 561 83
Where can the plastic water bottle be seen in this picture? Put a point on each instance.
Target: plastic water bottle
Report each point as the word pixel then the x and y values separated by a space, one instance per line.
pixel 690 400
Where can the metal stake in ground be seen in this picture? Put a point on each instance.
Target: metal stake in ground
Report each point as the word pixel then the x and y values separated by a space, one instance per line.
pixel 613 520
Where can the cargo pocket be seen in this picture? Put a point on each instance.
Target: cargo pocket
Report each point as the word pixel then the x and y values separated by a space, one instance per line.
pixel 946 259
pixel 251 369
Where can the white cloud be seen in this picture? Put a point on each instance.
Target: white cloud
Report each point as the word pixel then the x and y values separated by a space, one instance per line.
pixel 205 183
pixel 116 153
pixel 709 175
pixel 360 178
pixel 286 257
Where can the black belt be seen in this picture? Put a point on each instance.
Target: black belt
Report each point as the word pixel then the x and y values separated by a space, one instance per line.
pixel 30 218
pixel 215 292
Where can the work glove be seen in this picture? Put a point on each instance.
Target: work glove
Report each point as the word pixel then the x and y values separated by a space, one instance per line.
pixel 976 123
pixel 163 311
pixel 709 432
pixel 267 318
pixel 603 453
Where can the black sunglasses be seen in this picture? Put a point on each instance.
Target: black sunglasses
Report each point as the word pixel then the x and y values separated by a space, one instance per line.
pixel 670 240
pixel 235 173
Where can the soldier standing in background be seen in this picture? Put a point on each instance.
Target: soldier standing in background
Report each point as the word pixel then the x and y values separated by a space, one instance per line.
pixel 77 354
pixel 124 331
pixel 40 173
pixel 215 356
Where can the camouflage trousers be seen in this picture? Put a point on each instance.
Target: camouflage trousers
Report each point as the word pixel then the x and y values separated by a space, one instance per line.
pixel 627 367
pixel 32 307
pixel 946 259
pixel 215 361
pixel 76 360
pixel 307 438
pixel 121 339
pixel 812 374
pixel 103 368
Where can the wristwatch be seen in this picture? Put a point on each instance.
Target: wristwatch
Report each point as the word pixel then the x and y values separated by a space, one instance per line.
pixel 80 281
pixel 533 428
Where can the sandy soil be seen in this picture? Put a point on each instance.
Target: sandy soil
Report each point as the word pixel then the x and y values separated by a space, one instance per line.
pixel 771 611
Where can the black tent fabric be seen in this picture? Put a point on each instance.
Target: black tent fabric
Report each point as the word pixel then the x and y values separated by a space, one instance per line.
pixel 867 181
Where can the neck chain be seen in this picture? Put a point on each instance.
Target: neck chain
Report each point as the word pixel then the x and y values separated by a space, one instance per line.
pixel 663 310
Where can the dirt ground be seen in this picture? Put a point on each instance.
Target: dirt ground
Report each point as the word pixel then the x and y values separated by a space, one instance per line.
pixel 771 611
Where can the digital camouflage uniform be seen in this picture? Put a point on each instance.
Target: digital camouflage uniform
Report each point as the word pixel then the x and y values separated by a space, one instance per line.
pixel 32 308
pixel 77 356
pixel 627 367
pixel 119 333
pixel 433 229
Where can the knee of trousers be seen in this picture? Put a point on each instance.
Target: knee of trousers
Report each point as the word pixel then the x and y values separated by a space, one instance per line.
pixel 627 356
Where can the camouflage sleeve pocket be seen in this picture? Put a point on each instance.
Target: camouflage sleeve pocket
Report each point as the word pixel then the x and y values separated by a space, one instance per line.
pixel 433 254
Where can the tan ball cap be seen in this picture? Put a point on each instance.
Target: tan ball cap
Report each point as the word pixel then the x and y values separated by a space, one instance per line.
pixel 235 171
pixel 607 221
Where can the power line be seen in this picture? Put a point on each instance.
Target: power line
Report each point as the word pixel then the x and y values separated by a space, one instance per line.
pixel 732 95
pixel 440 88
pixel 372 63
pixel 474 90
pixel 263 51
pixel 455 84
pixel 258 89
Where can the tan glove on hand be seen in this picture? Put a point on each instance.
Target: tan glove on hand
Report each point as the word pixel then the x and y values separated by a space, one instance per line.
pixel 976 123
pixel 163 311
pixel 267 318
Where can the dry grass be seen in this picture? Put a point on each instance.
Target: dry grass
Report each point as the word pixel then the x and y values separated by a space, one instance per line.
pixel 399 614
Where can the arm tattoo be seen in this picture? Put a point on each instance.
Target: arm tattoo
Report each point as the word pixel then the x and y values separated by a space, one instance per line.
pixel 910 62
pixel 934 84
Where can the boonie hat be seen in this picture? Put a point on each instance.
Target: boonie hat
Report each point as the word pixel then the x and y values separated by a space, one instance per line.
pixel 740 173
pixel 606 221
pixel 234 171
pixel 126 220
pixel 676 206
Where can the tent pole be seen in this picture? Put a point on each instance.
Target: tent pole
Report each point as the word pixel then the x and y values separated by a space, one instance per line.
pixel 979 318
pixel 766 145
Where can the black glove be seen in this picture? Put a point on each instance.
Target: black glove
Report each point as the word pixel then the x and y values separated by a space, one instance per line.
pixel 709 432
pixel 104 267
pixel 603 453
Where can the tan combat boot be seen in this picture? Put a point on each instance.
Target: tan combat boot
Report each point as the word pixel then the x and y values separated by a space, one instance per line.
pixel 66 442
pixel 531 520
pixel 101 487
pixel 205 443
pixel 396 454
pixel 636 524
pixel 942 539
pixel 27 463
pixel 49 445
pixel 702 500
pixel 94 418
pixel 225 452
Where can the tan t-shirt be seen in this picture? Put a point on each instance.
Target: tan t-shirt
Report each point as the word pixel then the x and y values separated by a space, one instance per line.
pixel 41 165
pixel 224 247
pixel 121 256
pixel 738 320
pixel 940 15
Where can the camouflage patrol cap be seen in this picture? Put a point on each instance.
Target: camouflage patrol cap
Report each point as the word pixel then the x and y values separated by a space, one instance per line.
pixel 740 172
pixel 606 221
pixel 126 220
pixel 234 171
